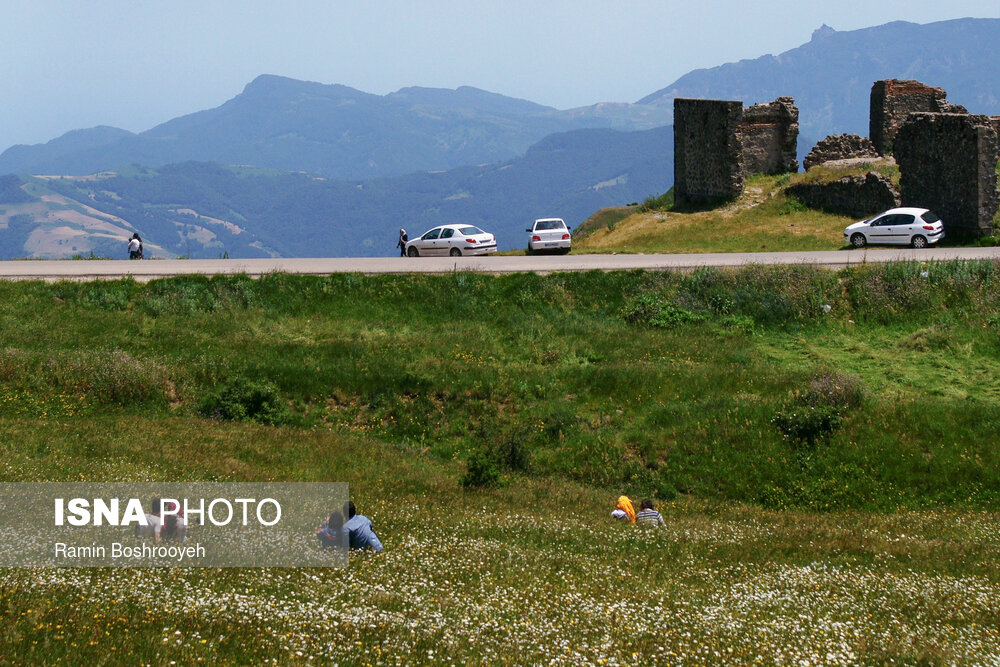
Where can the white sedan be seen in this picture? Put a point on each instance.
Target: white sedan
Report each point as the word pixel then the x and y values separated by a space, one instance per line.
pixel 549 234
pixel 917 227
pixel 452 240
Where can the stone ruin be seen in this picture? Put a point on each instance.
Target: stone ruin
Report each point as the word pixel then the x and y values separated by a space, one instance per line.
pixel 840 147
pixel 893 100
pixel 770 135
pixel 947 163
pixel 717 144
pixel 854 196
pixel 947 160
pixel 947 157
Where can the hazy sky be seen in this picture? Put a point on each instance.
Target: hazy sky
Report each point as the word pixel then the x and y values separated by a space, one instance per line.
pixel 71 64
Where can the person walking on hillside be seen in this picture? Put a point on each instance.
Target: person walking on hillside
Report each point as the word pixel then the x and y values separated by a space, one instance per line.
pixel 135 247
pixel 647 516
pixel 401 244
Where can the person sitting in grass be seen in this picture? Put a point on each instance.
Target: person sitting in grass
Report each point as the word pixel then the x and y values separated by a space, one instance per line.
pixel 331 532
pixel 624 511
pixel 647 516
pixel 360 532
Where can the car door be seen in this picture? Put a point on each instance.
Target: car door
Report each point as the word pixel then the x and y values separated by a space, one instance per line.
pixel 448 241
pixel 904 228
pixel 427 244
pixel 881 229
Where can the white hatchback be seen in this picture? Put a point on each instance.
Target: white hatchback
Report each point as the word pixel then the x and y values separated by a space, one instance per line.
pixel 452 240
pixel 897 226
pixel 549 234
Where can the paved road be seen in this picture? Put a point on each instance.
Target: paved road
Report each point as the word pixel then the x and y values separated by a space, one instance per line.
pixel 149 269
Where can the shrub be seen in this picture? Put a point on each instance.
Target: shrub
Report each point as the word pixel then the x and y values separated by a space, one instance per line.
pixel 242 399
pixel 805 426
pixel 652 310
pixel 664 202
pixel 481 471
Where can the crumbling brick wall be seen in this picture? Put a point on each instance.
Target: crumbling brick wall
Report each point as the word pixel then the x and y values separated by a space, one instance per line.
pixel 708 155
pixel 769 134
pixel 947 163
pixel 892 101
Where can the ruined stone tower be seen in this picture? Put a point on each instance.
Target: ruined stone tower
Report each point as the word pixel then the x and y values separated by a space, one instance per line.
pixel 717 145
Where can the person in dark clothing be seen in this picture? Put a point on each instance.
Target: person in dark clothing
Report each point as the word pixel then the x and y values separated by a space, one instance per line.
pixel 401 244
pixel 331 533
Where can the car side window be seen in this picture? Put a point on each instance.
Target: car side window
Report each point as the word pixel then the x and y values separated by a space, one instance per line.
pixel 904 219
pixel 447 233
pixel 431 235
pixel 885 221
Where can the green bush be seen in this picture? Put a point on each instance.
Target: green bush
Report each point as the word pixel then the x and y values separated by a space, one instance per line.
pixel 664 202
pixel 242 399
pixel 653 310
pixel 482 470
pixel 804 426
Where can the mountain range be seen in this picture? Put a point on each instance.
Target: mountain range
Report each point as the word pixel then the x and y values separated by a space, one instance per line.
pixel 332 131
pixel 831 76
pixel 330 170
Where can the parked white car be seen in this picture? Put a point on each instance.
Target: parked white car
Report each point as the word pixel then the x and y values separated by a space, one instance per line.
pixel 452 240
pixel 549 234
pixel 897 226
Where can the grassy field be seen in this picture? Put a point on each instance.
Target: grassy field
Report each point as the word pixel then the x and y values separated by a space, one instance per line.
pixel 822 445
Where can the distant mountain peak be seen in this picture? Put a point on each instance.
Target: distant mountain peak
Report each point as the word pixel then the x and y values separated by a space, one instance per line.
pixel 822 32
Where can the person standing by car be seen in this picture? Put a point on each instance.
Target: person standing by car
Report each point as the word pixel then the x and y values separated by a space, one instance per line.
pixel 401 244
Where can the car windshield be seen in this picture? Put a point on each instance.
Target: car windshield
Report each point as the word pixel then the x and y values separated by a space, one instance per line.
pixel 542 225
pixel 929 216
pixel 471 230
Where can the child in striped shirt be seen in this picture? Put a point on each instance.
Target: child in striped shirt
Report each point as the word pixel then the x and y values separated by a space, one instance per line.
pixel 647 516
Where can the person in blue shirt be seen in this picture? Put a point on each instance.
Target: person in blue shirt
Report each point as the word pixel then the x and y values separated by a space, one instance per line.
pixel 359 527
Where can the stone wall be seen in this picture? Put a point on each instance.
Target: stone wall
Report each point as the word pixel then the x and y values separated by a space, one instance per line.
pixel 854 196
pixel 840 147
pixel 717 144
pixel 892 101
pixel 769 134
pixel 947 163
pixel 708 156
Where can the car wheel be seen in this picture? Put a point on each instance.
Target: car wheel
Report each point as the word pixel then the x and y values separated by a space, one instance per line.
pixel 455 252
pixel 413 252
pixel 564 251
pixel 918 241
pixel 858 240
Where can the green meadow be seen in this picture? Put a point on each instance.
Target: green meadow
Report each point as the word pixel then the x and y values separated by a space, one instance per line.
pixel 823 446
